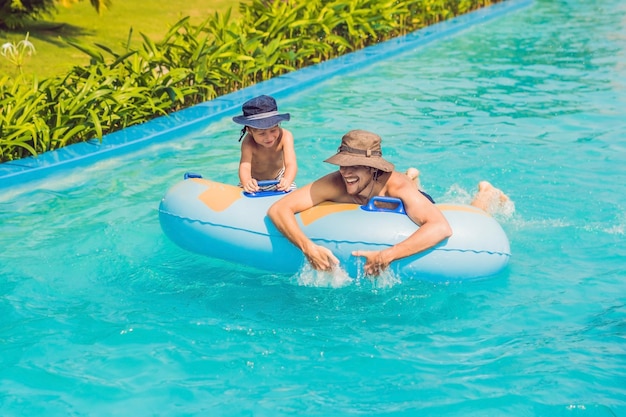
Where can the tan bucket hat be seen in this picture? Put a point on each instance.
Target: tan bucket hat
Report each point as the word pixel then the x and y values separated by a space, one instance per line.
pixel 360 147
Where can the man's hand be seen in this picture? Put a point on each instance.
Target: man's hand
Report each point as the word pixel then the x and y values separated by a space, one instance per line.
pixel 321 258
pixel 375 261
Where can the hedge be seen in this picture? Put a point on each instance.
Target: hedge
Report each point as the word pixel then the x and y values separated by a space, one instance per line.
pixel 192 64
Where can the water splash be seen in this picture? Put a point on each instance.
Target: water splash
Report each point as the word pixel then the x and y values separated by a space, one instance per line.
pixel 310 277
pixel 338 278
pixel 501 210
pixel 387 279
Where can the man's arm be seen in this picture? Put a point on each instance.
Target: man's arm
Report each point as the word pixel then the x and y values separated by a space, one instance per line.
pixel 282 213
pixel 433 229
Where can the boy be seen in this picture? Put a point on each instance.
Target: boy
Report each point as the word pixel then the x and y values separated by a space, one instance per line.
pixel 267 150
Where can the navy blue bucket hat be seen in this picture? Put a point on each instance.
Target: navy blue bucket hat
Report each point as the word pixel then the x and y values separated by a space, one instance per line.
pixel 261 113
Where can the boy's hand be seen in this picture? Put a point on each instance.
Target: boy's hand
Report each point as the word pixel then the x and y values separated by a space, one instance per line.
pixel 282 185
pixel 251 186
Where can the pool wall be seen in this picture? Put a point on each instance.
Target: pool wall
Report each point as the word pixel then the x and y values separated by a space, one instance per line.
pixel 179 123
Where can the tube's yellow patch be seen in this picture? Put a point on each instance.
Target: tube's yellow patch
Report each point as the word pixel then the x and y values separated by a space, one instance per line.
pixel 218 196
pixel 317 212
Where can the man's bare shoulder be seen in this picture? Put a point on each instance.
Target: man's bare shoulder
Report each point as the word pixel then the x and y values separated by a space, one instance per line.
pixel 400 183
pixel 330 187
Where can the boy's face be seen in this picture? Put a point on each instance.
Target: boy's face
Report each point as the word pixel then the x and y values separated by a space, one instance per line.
pixel 265 137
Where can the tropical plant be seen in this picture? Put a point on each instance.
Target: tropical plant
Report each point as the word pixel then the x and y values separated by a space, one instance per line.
pixel 16 52
pixel 14 14
pixel 192 64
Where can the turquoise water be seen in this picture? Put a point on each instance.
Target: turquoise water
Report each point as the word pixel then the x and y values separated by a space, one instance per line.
pixel 101 315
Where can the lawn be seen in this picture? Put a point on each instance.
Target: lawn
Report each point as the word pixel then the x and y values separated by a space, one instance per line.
pixel 82 23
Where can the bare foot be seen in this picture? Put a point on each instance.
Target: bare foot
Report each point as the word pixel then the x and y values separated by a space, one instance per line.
pixel 489 198
pixel 414 175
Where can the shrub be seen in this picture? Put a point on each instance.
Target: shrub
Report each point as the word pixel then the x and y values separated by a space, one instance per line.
pixel 192 64
pixel 16 13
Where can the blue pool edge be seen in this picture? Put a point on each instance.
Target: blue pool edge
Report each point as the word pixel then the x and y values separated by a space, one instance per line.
pixel 161 128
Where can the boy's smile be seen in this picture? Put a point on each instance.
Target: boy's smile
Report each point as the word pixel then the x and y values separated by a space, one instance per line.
pixel 265 137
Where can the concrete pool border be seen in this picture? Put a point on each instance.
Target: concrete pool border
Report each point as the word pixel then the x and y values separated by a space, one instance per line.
pixel 161 128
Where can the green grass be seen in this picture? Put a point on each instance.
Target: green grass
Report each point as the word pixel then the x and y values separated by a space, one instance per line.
pixel 82 23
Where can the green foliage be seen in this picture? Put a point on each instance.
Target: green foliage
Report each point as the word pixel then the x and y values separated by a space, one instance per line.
pixel 16 52
pixel 15 14
pixel 192 64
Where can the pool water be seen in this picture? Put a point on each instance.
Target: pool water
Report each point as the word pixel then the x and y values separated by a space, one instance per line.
pixel 102 315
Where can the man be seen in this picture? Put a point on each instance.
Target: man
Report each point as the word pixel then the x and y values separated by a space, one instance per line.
pixel 362 174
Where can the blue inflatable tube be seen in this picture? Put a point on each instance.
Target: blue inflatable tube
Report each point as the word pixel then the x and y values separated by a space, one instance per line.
pixel 222 221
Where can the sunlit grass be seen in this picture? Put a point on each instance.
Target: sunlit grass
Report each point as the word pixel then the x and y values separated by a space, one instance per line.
pixel 174 64
pixel 81 22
